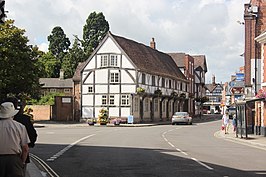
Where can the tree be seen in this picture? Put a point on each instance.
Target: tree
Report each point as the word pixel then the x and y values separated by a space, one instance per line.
pixel 19 75
pixel 49 65
pixel 94 31
pixel 72 58
pixel 58 46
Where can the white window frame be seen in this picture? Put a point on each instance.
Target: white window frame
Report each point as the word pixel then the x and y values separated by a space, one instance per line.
pixel 114 77
pixel 124 100
pixel 104 60
pixel 113 60
pixel 104 99
pixel 111 100
pixel 90 89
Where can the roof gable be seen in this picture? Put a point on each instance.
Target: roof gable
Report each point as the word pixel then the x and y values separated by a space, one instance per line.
pixel 149 60
pixel 200 61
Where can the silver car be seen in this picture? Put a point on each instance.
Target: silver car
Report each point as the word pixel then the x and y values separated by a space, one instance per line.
pixel 181 117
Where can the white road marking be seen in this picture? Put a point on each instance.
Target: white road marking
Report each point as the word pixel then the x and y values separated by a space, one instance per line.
pixel 179 150
pixel 203 164
pixel 61 152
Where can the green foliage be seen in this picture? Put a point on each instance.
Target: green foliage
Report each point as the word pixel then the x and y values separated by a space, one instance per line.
pixel 94 31
pixel 46 100
pixel 72 58
pixel 18 72
pixel 49 65
pixel 59 43
pixel 58 46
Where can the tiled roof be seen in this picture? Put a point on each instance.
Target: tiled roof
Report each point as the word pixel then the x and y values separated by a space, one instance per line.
pixel 56 83
pixel 149 60
pixel 179 58
pixel 211 87
pixel 200 60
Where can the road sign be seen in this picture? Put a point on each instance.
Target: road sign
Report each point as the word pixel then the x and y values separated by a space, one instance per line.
pixel 2 11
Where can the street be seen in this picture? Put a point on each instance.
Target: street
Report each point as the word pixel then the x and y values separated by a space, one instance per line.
pixel 163 150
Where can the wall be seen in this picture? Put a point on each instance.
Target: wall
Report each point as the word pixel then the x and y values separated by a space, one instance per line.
pixel 41 112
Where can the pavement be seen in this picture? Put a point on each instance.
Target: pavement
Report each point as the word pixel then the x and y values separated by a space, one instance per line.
pixel 255 141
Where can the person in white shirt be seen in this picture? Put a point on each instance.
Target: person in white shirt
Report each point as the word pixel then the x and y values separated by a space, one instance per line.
pixel 226 122
pixel 14 143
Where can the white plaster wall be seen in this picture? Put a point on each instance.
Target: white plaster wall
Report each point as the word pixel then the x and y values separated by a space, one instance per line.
pixel 101 88
pixel 109 47
pixel 128 88
pixel 113 112
pixel 98 100
pixel 91 64
pixel 87 100
pixel 114 88
pixel 125 77
pixel 87 112
pixel 101 76
pixel 125 112
pixel 126 63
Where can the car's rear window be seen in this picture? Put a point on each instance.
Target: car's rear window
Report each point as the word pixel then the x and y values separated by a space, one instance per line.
pixel 181 114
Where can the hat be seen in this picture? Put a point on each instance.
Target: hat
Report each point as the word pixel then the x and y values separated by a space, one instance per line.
pixel 7 110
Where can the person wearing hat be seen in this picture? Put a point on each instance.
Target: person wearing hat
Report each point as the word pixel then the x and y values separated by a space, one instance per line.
pixel 14 143
pixel 26 121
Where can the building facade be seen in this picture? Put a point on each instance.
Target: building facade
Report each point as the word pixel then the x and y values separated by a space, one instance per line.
pixel 130 79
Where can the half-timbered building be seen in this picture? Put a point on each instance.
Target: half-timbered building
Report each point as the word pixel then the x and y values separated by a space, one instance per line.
pixel 129 78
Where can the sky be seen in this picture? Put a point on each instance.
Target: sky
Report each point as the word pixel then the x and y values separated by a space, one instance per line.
pixel 194 27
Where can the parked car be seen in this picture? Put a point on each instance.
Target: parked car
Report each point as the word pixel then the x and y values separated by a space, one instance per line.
pixel 181 117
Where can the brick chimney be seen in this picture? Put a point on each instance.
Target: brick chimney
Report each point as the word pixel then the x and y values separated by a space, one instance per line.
pixel 61 75
pixel 213 79
pixel 152 44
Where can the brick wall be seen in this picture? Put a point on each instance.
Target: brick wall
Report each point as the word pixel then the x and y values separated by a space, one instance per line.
pixel 41 112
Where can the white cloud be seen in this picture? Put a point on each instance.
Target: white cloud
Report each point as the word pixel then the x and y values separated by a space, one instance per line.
pixel 206 27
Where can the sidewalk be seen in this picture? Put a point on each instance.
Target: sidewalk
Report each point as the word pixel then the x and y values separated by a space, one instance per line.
pixel 256 141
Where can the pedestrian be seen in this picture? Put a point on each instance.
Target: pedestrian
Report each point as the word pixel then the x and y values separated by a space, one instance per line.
pixel 234 122
pixel 225 120
pixel 26 121
pixel 14 143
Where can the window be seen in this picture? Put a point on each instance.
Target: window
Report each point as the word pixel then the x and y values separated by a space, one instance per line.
pixel 104 60
pixel 90 89
pixel 146 105
pixel 66 90
pixel 111 100
pixel 143 81
pixel 170 83
pixel 156 105
pixel 104 100
pixel 163 82
pixel 113 60
pixel 114 78
pixel 52 90
pixel 153 80
pixel 124 100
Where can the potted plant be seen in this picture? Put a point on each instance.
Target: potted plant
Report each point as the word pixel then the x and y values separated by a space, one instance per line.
pixel 140 90
pixel 103 116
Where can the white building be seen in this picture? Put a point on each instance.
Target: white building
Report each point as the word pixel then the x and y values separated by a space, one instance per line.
pixel 128 78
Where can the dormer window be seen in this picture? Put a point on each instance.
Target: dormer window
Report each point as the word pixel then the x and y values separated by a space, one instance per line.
pixel 113 60
pixel 104 60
